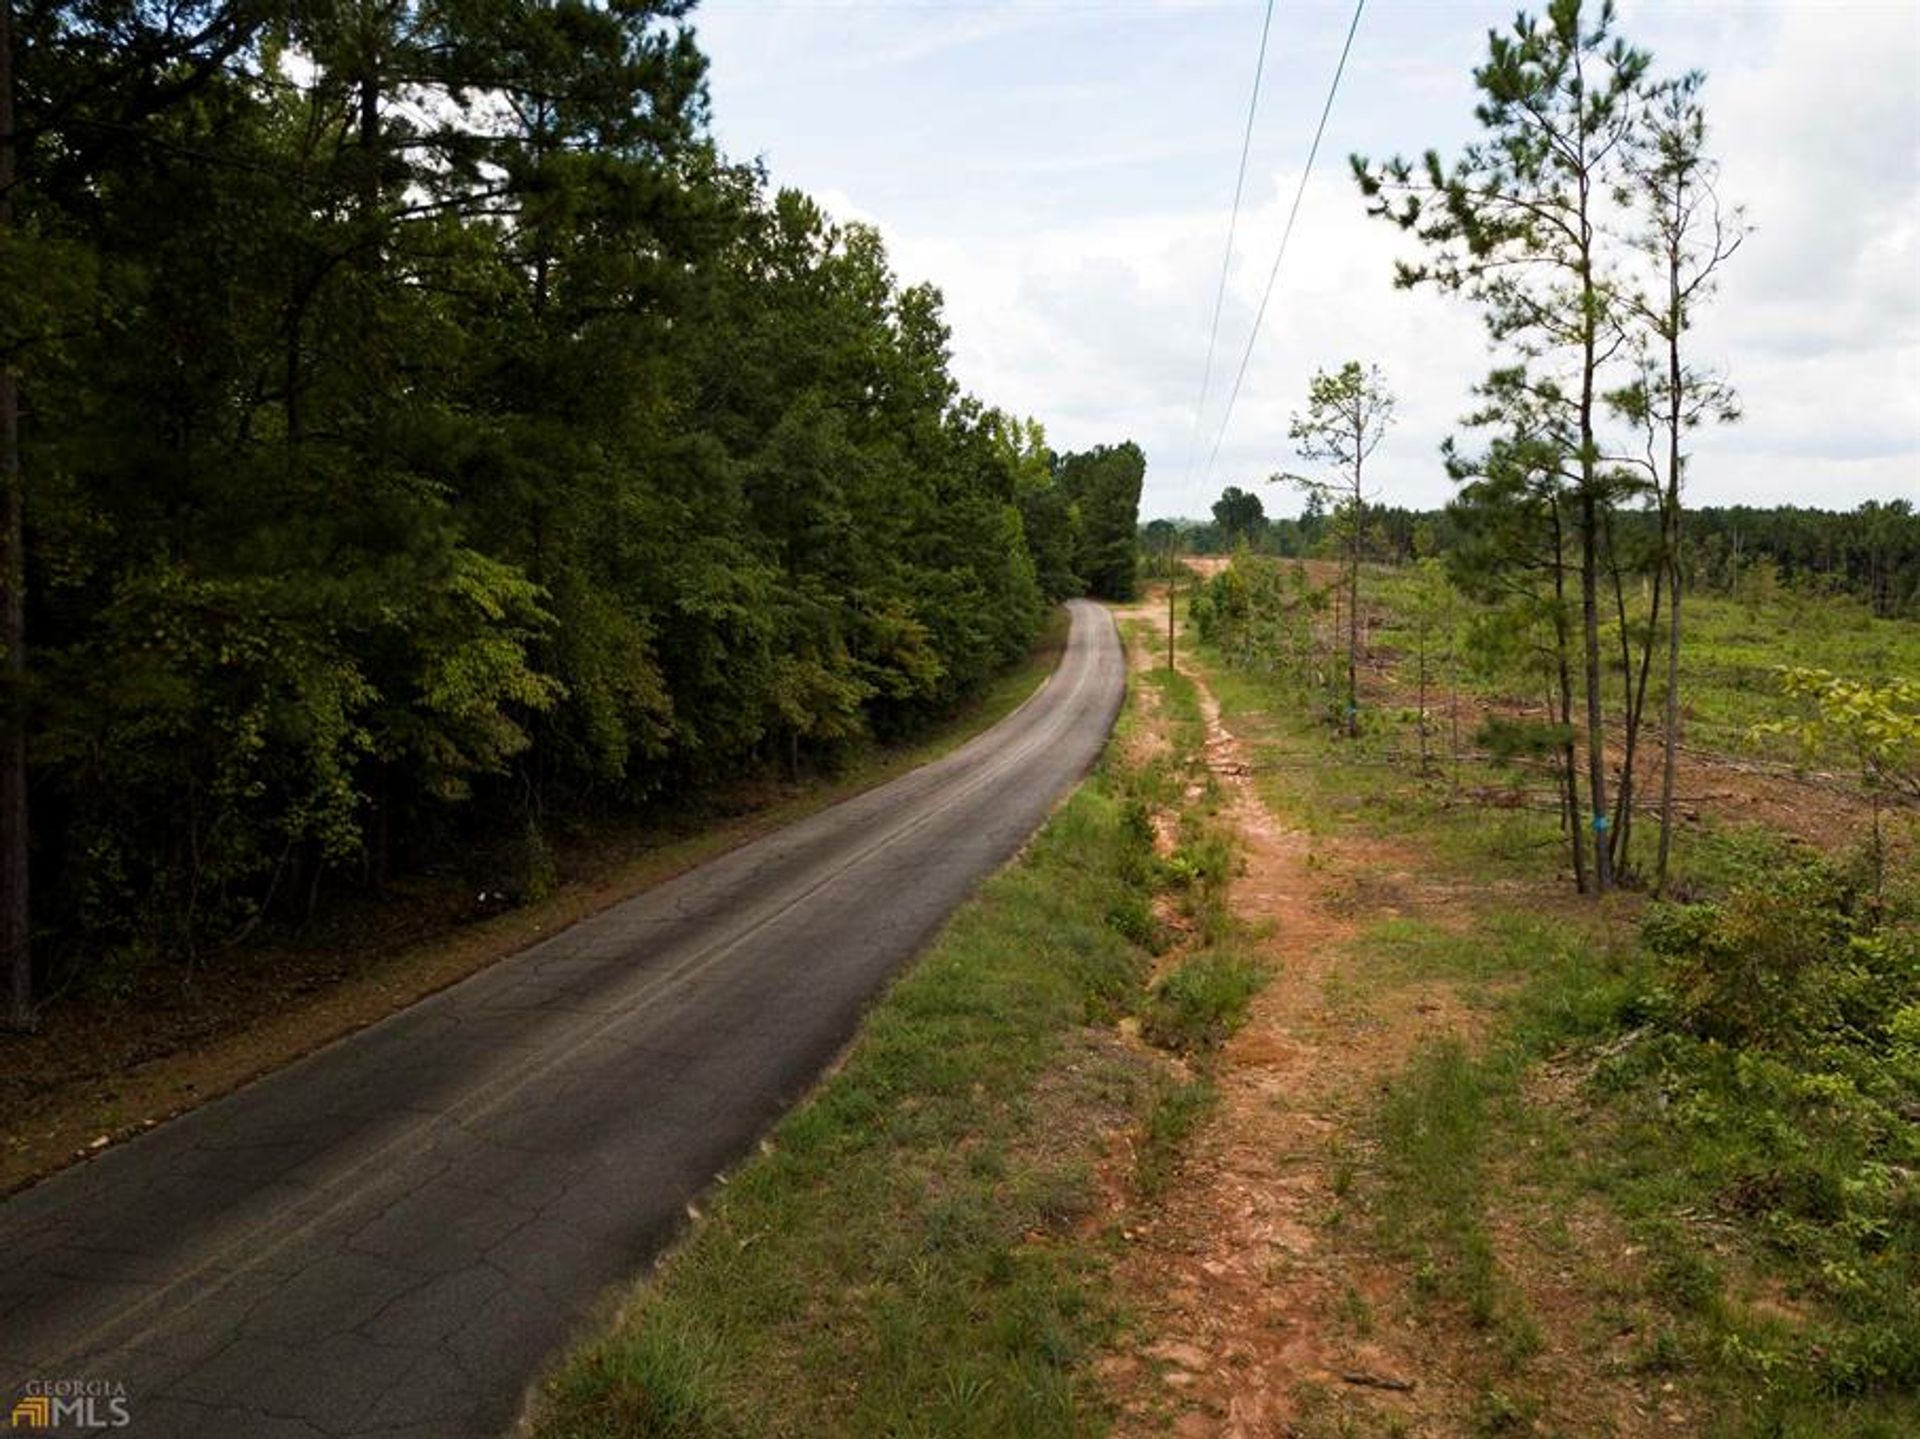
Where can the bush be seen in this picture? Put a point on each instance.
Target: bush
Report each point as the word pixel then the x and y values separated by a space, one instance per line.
pixel 1739 969
pixel 1786 1057
pixel 1202 1001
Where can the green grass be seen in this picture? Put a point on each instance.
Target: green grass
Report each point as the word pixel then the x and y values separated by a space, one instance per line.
pixel 1731 649
pixel 1733 646
pixel 1738 1179
pixel 896 1262
pixel 1163 779
pixel 909 1252
pixel 1176 1107
pixel 1764 1189
pixel 1433 1133
pixel 1202 1000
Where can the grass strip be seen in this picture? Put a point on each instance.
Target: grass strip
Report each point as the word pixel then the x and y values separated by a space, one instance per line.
pixel 906 1255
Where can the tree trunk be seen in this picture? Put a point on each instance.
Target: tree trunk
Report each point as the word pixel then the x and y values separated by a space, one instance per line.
pixel 1596 724
pixel 15 911
pixel 1576 832
pixel 1670 741
pixel 1331 658
pixel 1353 601
pixel 1590 562
pixel 1636 695
pixel 1424 763
pixel 1453 704
pixel 296 421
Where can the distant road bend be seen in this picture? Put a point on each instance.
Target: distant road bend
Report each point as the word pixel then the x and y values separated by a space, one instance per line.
pixel 393 1234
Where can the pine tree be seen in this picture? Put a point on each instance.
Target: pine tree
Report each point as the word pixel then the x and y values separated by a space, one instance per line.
pixel 1515 224
pixel 1348 413
pixel 1688 236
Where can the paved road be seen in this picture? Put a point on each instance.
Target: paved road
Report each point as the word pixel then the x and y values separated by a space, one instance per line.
pixel 392 1235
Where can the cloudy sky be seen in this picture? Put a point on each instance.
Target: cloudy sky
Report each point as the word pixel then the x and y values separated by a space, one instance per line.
pixel 1064 170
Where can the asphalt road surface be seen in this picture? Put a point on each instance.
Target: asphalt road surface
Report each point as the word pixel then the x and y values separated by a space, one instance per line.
pixel 392 1235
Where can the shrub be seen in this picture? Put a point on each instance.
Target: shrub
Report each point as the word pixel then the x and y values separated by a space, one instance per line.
pixel 1202 1001
pixel 1738 970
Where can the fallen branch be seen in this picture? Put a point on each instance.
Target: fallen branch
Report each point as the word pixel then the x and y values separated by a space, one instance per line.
pixel 1378 1381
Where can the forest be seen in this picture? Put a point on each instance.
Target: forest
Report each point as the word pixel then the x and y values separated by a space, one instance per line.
pixel 414 428
pixel 1871 553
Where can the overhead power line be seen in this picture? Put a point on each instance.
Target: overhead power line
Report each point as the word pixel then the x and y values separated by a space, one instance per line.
pixel 1286 235
pixel 1226 260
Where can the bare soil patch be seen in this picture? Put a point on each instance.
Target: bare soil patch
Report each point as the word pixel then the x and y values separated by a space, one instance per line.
pixel 1258 1314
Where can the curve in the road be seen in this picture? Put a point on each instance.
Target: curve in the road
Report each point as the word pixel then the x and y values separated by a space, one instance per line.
pixel 391 1235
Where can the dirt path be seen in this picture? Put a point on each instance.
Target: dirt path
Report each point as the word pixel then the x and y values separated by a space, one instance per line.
pixel 1250 1311
pixel 1261 1307
pixel 1232 1273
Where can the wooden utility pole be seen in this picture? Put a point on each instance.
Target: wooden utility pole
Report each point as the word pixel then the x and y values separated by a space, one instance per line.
pixel 16 957
pixel 1173 545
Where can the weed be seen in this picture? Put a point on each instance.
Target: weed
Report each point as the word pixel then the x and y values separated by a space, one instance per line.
pixel 1497 1412
pixel 663 1383
pixel 1131 917
pixel 1175 1108
pixel 1201 1001
pixel 1357 1312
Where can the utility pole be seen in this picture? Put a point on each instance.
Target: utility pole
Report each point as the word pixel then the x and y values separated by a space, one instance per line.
pixel 1173 545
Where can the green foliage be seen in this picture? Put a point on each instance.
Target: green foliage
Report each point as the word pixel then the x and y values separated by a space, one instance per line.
pixel 1349 411
pixel 1264 616
pixel 1102 488
pixel 1240 517
pixel 1784 1050
pixel 1871 553
pixel 1877 722
pixel 1753 969
pixel 1507 739
pixel 438 433
pixel 1201 1001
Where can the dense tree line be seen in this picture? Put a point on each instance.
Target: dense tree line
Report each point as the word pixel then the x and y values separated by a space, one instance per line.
pixel 1101 492
pixel 419 425
pixel 1871 553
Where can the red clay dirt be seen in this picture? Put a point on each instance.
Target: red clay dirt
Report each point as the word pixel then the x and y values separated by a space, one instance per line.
pixel 1257 1315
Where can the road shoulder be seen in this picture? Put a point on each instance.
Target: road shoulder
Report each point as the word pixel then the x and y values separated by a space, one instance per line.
pixel 103 1072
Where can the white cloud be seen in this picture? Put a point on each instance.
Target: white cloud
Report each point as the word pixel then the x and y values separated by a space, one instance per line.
pixel 1070 199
